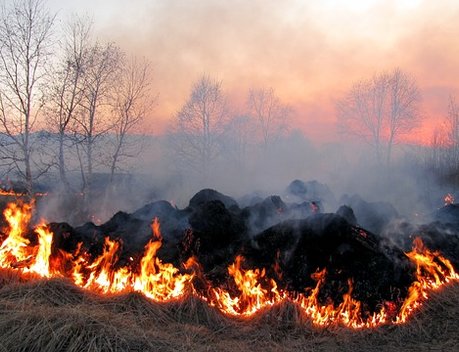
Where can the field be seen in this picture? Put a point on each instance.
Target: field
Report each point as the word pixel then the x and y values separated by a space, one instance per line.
pixel 54 315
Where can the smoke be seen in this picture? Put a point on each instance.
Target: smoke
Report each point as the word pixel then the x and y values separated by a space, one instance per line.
pixel 310 54
pixel 346 171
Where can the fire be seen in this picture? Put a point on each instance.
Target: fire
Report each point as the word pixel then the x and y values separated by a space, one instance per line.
pixel 12 193
pixel 348 312
pixel 15 248
pixel 432 272
pixel 156 280
pixel 448 199
pixel 103 276
pixel 247 291
pixel 252 296
pixel 41 264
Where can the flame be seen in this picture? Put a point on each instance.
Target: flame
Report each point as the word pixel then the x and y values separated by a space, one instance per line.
pixel 348 312
pixel 448 199
pixel 12 193
pixel 432 272
pixel 252 296
pixel 247 291
pixel 41 264
pixel 103 276
pixel 156 280
pixel 15 248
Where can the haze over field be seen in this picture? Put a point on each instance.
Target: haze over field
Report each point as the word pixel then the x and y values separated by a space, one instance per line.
pixel 175 96
pixel 310 52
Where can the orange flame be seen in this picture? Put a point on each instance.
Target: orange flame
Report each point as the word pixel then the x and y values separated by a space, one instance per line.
pixel 251 292
pixel 156 280
pixel 12 193
pixel 347 313
pixel 432 272
pixel 41 264
pixel 15 248
pixel 252 295
pixel 103 276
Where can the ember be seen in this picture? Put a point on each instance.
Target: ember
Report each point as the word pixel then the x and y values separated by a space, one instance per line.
pixel 338 290
pixel 449 199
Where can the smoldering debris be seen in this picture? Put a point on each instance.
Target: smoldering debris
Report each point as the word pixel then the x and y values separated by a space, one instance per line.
pixel 291 241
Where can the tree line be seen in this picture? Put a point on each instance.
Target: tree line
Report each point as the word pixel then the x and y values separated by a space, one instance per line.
pixel 91 99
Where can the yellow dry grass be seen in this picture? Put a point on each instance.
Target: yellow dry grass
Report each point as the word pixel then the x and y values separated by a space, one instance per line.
pixel 54 315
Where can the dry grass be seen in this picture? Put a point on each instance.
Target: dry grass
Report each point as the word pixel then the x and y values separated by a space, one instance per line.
pixel 54 315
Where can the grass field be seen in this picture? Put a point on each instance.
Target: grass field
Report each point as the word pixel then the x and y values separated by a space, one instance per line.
pixel 54 315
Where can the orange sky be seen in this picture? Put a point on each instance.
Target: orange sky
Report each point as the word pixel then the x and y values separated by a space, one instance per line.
pixel 310 52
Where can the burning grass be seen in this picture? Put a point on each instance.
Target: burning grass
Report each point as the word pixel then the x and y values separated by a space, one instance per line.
pixel 51 315
pixel 245 293
pixel 57 300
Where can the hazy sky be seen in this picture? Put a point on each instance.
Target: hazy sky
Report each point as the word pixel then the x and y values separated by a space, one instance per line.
pixel 309 51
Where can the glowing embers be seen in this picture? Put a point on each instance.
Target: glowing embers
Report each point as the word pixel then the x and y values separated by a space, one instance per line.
pixel 448 199
pixel 244 293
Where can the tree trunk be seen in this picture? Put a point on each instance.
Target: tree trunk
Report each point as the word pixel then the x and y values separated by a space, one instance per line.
pixel 62 172
pixel 389 149
pixel 87 192
pixel 28 175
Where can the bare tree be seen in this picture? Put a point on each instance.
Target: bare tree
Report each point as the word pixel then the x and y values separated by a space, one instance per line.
pixel 379 110
pixel 238 138
pixel 452 131
pixel 199 126
pixel 68 88
pixel 270 114
pixel 404 102
pixel 442 156
pixel 132 102
pixel 436 156
pixel 449 151
pixel 93 122
pixel 362 111
pixel 25 33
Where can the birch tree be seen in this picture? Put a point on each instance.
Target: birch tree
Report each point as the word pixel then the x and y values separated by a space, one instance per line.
pixel 404 99
pixel 25 48
pixel 132 103
pixel 380 110
pixel 270 113
pixel 199 126
pixel 94 122
pixel 68 88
